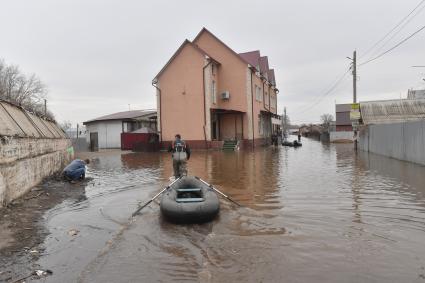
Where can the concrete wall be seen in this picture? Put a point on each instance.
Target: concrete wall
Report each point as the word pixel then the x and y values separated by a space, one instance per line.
pixel 404 141
pixel 31 149
pixel 341 136
pixel 80 144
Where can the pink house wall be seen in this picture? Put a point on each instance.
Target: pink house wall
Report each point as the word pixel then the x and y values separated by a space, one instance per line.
pixel 182 97
pixel 231 73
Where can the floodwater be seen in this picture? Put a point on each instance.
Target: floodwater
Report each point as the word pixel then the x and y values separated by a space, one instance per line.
pixel 319 213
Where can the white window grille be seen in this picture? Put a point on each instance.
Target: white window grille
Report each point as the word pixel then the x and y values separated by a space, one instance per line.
pixel 273 101
pixel 213 92
pixel 258 95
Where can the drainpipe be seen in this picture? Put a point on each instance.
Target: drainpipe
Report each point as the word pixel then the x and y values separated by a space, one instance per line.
pixel 160 109
pixel 269 100
pixel 252 112
pixel 205 111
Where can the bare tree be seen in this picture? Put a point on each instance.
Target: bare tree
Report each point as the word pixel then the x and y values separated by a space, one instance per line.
pixel 326 120
pixel 26 91
pixel 66 125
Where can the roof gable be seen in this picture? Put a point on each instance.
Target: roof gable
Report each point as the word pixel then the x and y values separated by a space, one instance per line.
pixel 251 57
pixel 179 50
pixel 264 65
pixel 271 76
pixel 205 31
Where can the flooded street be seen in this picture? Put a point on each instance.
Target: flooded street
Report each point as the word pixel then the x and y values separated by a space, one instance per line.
pixel 319 213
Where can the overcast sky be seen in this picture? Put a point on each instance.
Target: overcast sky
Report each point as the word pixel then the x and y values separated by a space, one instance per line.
pixel 96 57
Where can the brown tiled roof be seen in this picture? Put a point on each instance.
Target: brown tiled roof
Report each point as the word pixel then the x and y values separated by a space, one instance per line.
pixel 122 115
pixel 252 57
pixel 260 62
pixel 264 65
pixel 272 78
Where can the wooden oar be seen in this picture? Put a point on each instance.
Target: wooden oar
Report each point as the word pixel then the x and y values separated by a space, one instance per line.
pixel 217 191
pixel 152 199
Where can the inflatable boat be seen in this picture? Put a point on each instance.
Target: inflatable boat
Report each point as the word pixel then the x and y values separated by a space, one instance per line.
pixel 189 200
pixel 287 143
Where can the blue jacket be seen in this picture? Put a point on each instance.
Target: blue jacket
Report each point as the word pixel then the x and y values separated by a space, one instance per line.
pixel 75 166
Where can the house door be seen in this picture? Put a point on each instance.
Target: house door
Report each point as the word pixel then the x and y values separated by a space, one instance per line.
pixel 214 130
pixel 94 143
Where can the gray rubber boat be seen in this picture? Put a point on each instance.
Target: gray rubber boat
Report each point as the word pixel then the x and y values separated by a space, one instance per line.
pixel 189 200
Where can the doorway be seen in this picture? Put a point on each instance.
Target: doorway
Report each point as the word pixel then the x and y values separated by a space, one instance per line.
pixel 94 142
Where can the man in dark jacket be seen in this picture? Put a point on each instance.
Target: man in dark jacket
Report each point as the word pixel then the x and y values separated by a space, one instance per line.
pixel 76 170
pixel 181 153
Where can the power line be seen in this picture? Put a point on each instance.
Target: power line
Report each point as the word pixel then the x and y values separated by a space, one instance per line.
pixel 403 22
pixel 397 32
pixel 330 90
pixel 392 48
pixel 395 27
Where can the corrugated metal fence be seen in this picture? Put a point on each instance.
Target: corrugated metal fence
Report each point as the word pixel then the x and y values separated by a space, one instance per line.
pixel 15 121
pixel 404 141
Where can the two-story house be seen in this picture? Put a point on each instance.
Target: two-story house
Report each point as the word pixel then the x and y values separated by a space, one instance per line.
pixel 208 93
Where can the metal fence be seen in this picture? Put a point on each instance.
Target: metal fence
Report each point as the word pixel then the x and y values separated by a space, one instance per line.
pixel 404 141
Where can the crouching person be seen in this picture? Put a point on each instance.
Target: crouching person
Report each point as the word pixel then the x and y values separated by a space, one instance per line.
pixel 76 170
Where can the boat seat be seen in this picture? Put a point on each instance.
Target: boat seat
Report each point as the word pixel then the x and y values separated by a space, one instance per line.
pixel 189 199
pixel 185 190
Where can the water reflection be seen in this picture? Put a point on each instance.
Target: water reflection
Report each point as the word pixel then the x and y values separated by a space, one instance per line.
pixel 316 213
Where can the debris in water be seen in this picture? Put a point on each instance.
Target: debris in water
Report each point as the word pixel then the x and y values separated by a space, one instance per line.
pixel 73 232
pixel 41 273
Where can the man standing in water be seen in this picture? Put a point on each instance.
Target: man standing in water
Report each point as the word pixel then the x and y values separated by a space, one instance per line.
pixel 181 153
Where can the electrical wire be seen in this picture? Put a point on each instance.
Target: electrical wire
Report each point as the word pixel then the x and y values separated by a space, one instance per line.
pixel 402 23
pixel 397 32
pixel 329 91
pixel 392 48
pixel 395 27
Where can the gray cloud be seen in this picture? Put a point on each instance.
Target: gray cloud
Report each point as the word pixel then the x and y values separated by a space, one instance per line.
pixel 99 56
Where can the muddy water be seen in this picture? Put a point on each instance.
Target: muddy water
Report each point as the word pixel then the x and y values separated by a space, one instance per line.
pixel 320 213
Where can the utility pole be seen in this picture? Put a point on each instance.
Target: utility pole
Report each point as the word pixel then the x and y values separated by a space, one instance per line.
pixel 354 72
pixel 354 77
pixel 45 107
pixel 355 92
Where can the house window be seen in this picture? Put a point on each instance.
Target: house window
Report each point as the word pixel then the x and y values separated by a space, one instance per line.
pixel 213 92
pixel 258 95
pixel 266 97
pixel 273 101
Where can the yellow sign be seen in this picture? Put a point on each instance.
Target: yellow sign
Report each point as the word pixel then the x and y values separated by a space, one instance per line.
pixel 355 106
pixel 354 115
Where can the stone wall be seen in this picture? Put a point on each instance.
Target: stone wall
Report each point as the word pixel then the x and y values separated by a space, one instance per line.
pixel 31 148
